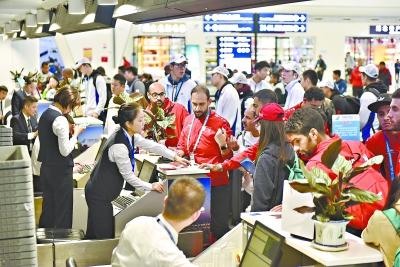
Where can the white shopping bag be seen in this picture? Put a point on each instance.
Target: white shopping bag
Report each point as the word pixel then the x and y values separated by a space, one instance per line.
pixel 292 221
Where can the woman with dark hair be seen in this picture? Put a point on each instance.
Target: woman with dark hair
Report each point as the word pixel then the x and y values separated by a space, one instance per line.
pixel 18 97
pixel 115 166
pixel 57 164
pixel 51 88
pixel 384 226
pixel 273 154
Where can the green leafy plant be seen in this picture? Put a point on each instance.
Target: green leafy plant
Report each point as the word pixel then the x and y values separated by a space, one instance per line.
pixel 331 198
pixel 157 122
pixel 16 74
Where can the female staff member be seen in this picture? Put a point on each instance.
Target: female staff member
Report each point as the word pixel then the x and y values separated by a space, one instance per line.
pixel 19 95
pixel 274 152
pixel 116 165
pixel 57 164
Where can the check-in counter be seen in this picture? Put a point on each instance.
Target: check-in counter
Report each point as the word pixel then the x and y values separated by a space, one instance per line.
pixel 93 131
pixel 42 106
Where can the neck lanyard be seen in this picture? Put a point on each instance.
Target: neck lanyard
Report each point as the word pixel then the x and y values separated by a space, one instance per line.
pixel 131 150
pixel 166 229
pixel 390 157
pixel 218 94
pixel 291 87
pixel 201 132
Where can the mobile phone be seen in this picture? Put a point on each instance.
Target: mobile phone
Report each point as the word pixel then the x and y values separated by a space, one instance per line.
pixel 83 125
pixel 248 165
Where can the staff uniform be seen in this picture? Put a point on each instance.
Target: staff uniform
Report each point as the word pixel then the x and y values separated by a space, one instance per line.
pixel 56 170
pixel 2 112
pixel 255 87
pixel 227 105
pixel 107 178
pixel 208 151
pixel 179 92
pixel 24 129
pixel 146 242
pixel 17 101
pixel 295 94
pixel 180 115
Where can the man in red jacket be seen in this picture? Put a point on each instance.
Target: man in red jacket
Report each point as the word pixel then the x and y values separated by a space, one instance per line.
pixel 198 142
pixel 156 95
pixel 305 129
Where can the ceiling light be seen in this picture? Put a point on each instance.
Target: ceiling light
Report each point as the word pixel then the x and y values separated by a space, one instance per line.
pixel 15 26
pixel 7 28
pixel 89 18
pixel 43 16
pixel 39 29
pixel 76 7
pixel 31 20
pixel 107 2
pixel 54 27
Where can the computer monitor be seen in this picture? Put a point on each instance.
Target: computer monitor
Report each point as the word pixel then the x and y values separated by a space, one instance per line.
pixel 264 247
pixel 148 172
pixel 100 151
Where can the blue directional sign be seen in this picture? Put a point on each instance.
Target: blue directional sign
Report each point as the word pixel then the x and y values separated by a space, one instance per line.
pixel 281 18
pixel 229 17
pixel 384 29
pixel 231 27
pixel 271 28
pixel 234 47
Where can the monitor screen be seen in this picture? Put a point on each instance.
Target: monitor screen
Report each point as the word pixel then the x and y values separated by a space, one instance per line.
pixel 100 151
pixel 263 248
pixel 147 172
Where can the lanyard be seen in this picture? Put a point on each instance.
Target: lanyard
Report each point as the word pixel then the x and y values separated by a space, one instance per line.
pixel 131 149
pixel 390 157
pixel 166 229
pixel 201 132
pixel 178 89
pixel 291 87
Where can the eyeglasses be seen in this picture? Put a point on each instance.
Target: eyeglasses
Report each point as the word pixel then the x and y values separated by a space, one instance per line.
pixel 180 65
pixel 155 95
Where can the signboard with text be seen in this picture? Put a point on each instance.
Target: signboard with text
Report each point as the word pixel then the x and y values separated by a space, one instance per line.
pixel 281 18
pixel 384 29
pixel 229 22
pixel 282 28
pixel 234 52
pixel 346 126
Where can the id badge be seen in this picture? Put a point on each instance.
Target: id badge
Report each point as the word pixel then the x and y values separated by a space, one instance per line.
pixel 192 158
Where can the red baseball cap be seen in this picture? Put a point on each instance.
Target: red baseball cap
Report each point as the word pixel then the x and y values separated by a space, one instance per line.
pixel 271 112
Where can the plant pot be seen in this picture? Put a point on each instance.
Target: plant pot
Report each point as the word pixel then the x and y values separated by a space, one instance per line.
pixel 330 233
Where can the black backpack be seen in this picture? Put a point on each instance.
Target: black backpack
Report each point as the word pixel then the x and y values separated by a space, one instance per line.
pixel 355 102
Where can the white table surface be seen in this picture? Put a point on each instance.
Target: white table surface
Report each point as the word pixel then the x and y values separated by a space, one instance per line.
pixel 89 120
pixel 358 252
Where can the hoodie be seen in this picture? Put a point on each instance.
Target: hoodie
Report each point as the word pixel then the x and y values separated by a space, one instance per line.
pixel 269 177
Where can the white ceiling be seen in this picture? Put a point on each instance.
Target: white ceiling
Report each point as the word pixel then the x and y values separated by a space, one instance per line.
pixel 17 9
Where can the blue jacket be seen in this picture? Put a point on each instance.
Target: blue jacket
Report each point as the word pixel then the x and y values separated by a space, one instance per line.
pixel 341 86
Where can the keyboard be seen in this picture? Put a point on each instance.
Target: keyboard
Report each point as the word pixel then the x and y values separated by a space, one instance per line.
pixel 87 168
pixel 123 202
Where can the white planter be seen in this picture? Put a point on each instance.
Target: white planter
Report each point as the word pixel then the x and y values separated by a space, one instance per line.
pixel 330 233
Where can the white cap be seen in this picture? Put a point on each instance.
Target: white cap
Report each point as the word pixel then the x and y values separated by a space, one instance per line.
pixel 292 65
pixel 238 78
pixel 370 70
pixel 81 61
pixel 220 70
pixel 178 58
pixel 326 83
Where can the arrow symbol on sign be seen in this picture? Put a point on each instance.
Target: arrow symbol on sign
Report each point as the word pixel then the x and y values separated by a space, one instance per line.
pixel 207 17
pixel 296 17
pixel 302 28
pixel 207 27
pixel 303 18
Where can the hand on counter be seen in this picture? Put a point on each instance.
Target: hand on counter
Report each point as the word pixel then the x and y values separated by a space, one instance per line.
pixel 211 167
pixel 159 187
pixel 95 115
pixel 77 167
pixel 179 153
pixel 277 208
pixel 182 161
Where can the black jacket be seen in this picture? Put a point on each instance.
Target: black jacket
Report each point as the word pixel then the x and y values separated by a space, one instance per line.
pixel 17 101
pixel 342 106
pixel 380 86
pixel 20 129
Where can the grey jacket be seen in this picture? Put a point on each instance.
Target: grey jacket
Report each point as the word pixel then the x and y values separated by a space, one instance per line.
pixel 269 177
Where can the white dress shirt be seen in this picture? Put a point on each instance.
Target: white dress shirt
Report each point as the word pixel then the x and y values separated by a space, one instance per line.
pixel 255 87
pixel 295 94
pixel 61 130
pixel 145 242
pixel 31 135
pixel 110 126
pixel 119 154
pixel 34 158
pixel 228 107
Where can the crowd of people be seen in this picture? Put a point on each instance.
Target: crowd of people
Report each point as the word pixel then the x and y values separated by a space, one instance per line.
pixel 271 123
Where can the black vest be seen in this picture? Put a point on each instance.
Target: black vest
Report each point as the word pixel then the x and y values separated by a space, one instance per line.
pixel 105 177
pixel 49 153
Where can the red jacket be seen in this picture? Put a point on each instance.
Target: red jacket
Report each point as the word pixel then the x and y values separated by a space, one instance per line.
pixel 370 180
pixel 377 145
pixel 234 162
pixel 208 150
pixel 180 115
pixel 355 78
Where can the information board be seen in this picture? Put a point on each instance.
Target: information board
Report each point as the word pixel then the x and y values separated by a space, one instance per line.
pixel 384 29
pixel 234 52
pixel 346 126
pixel 229 22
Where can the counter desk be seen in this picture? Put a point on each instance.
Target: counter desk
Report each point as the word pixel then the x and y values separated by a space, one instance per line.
pixel 91 135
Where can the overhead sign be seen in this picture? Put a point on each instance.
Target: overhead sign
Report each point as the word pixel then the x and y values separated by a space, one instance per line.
pixel 229 22
pixel 281 18
pixel 271 28
pixel 384 29
pixel 164 27
pixel 234 47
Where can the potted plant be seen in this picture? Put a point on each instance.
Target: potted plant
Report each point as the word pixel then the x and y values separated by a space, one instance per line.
pixel 15 76
pixel 157 122
pixel 332 197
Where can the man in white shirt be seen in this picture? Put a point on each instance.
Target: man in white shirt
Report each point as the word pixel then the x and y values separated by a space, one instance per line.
pixel 3 95
pixel 151 241
pixel 239 82
pixel 117 88
pixel 257 82
pixel 177 84
pixel 290 75
pixel 227 102
pixel 96 94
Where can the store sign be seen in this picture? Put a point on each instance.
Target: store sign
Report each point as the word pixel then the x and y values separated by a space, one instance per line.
pixel 384 29
pixel 229 22
pixel 271 28
pixel 281 18
pixel 234 47
pixel 164 28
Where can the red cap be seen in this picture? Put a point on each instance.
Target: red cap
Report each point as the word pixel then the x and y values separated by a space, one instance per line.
pixel 271 112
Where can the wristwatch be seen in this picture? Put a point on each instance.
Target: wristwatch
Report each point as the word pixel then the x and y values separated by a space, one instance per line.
pixel 220 167
pixel 224 147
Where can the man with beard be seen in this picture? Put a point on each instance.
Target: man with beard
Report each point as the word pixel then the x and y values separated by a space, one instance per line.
pixel 198 142
pixel 394 116
pixel 178 84
pixel 156 95
pixel 385 142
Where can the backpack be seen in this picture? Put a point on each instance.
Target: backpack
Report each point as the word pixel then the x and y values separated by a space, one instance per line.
pixel 354 103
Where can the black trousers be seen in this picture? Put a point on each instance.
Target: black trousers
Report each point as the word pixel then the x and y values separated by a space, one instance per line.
pixel 246 200
pixel 37 185
pixel 357 91
pixel 57 188
pixel 219 210
pixel 100 223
